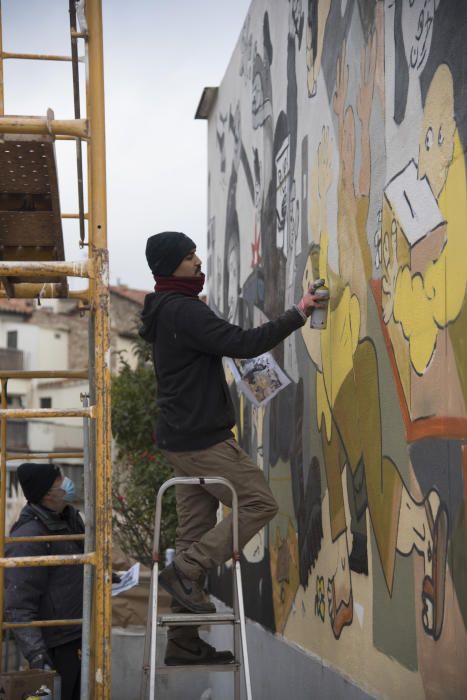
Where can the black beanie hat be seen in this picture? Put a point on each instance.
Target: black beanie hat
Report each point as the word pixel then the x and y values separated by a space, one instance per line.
pixel 36 479
pixel 165 251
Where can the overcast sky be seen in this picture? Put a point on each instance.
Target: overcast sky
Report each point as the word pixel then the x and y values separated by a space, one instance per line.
pixel 159 55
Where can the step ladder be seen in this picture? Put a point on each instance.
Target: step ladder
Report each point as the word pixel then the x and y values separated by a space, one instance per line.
pixel 236 618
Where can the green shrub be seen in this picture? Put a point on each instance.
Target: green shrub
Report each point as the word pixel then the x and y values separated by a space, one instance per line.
pixel 140 468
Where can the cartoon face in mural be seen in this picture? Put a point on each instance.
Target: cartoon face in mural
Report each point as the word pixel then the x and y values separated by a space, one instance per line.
pixel 436 146
pixel 438 292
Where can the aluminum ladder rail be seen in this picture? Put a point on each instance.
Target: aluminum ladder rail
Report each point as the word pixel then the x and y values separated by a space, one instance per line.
pixel 236 619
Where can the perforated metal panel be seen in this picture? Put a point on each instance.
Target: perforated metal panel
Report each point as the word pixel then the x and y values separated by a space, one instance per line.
pixel 30 221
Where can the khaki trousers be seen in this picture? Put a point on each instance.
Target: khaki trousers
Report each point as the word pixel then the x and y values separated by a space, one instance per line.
pixel 201 543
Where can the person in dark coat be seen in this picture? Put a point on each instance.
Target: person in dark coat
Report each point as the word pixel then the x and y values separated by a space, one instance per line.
pixel 195 421
pixel 47 592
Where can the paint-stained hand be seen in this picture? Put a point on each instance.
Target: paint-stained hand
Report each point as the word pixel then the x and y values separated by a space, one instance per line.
pixel 310 301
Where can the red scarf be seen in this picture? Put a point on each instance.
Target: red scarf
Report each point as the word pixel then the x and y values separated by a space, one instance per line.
pixel 190 286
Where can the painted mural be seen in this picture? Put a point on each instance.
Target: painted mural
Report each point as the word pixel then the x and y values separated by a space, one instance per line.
pixel 337 149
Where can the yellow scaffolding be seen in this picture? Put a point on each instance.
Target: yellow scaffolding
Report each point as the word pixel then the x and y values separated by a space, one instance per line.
pixel 23 276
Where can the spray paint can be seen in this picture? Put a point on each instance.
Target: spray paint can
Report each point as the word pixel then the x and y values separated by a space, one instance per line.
pixel 169 556
pixel 319 317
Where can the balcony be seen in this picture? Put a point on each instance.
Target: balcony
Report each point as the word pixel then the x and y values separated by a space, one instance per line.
pixel 11 359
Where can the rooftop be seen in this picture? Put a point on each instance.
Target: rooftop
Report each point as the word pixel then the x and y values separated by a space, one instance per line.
pixel 16 306
pixel 135 295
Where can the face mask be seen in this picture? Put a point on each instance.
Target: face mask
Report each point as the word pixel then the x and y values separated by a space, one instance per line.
pixel 69 487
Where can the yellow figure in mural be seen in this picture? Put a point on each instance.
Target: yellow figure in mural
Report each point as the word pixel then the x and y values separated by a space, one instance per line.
pixel 425 303
pixel 347 387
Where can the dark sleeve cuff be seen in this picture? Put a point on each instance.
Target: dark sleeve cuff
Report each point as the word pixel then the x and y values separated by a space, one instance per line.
pixel 301 314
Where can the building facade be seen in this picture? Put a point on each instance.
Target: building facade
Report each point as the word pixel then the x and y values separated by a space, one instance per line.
pixel 51 337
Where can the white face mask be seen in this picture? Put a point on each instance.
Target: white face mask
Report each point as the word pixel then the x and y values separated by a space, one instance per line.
pixel 69 487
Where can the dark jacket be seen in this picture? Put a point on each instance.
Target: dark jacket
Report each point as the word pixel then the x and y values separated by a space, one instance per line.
pixel 44 592
pixel 189 341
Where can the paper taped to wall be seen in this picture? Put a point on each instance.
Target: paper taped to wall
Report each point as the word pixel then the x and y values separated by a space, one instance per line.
pixel 258 378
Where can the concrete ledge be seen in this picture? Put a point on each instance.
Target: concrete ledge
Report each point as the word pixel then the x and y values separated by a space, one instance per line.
pixel 280 670
pixel 127 661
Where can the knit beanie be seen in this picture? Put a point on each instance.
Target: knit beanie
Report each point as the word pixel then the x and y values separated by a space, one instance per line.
pixel 36 479
pixel 165 251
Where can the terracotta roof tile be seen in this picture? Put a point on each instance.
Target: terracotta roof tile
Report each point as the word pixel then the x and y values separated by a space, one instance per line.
pixel 136 295
pixel 16 306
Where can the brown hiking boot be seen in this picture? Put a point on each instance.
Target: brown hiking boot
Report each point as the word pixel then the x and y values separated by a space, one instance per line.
pixel 186 592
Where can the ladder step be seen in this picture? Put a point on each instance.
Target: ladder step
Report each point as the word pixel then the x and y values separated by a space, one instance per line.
pixel 211 668
pixel 49 270
pixel 47 412
pixel 44 374
pixel 196 619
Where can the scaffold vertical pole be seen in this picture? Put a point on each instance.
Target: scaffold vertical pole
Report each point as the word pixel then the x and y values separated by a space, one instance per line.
pixel 2 91
pixel 3 474
pixel 99 288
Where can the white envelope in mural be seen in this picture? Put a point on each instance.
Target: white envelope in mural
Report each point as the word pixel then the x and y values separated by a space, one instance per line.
pixel 414 204
pixel 258 378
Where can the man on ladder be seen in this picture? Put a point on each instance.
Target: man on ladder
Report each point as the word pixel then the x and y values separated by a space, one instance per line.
pixel 194 427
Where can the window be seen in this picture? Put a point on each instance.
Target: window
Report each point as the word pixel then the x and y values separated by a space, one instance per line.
pixel 14 401
pixel 46 402
pixel 12 340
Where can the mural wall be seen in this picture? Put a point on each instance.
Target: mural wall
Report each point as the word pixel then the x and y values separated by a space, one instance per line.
pixel 337 149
